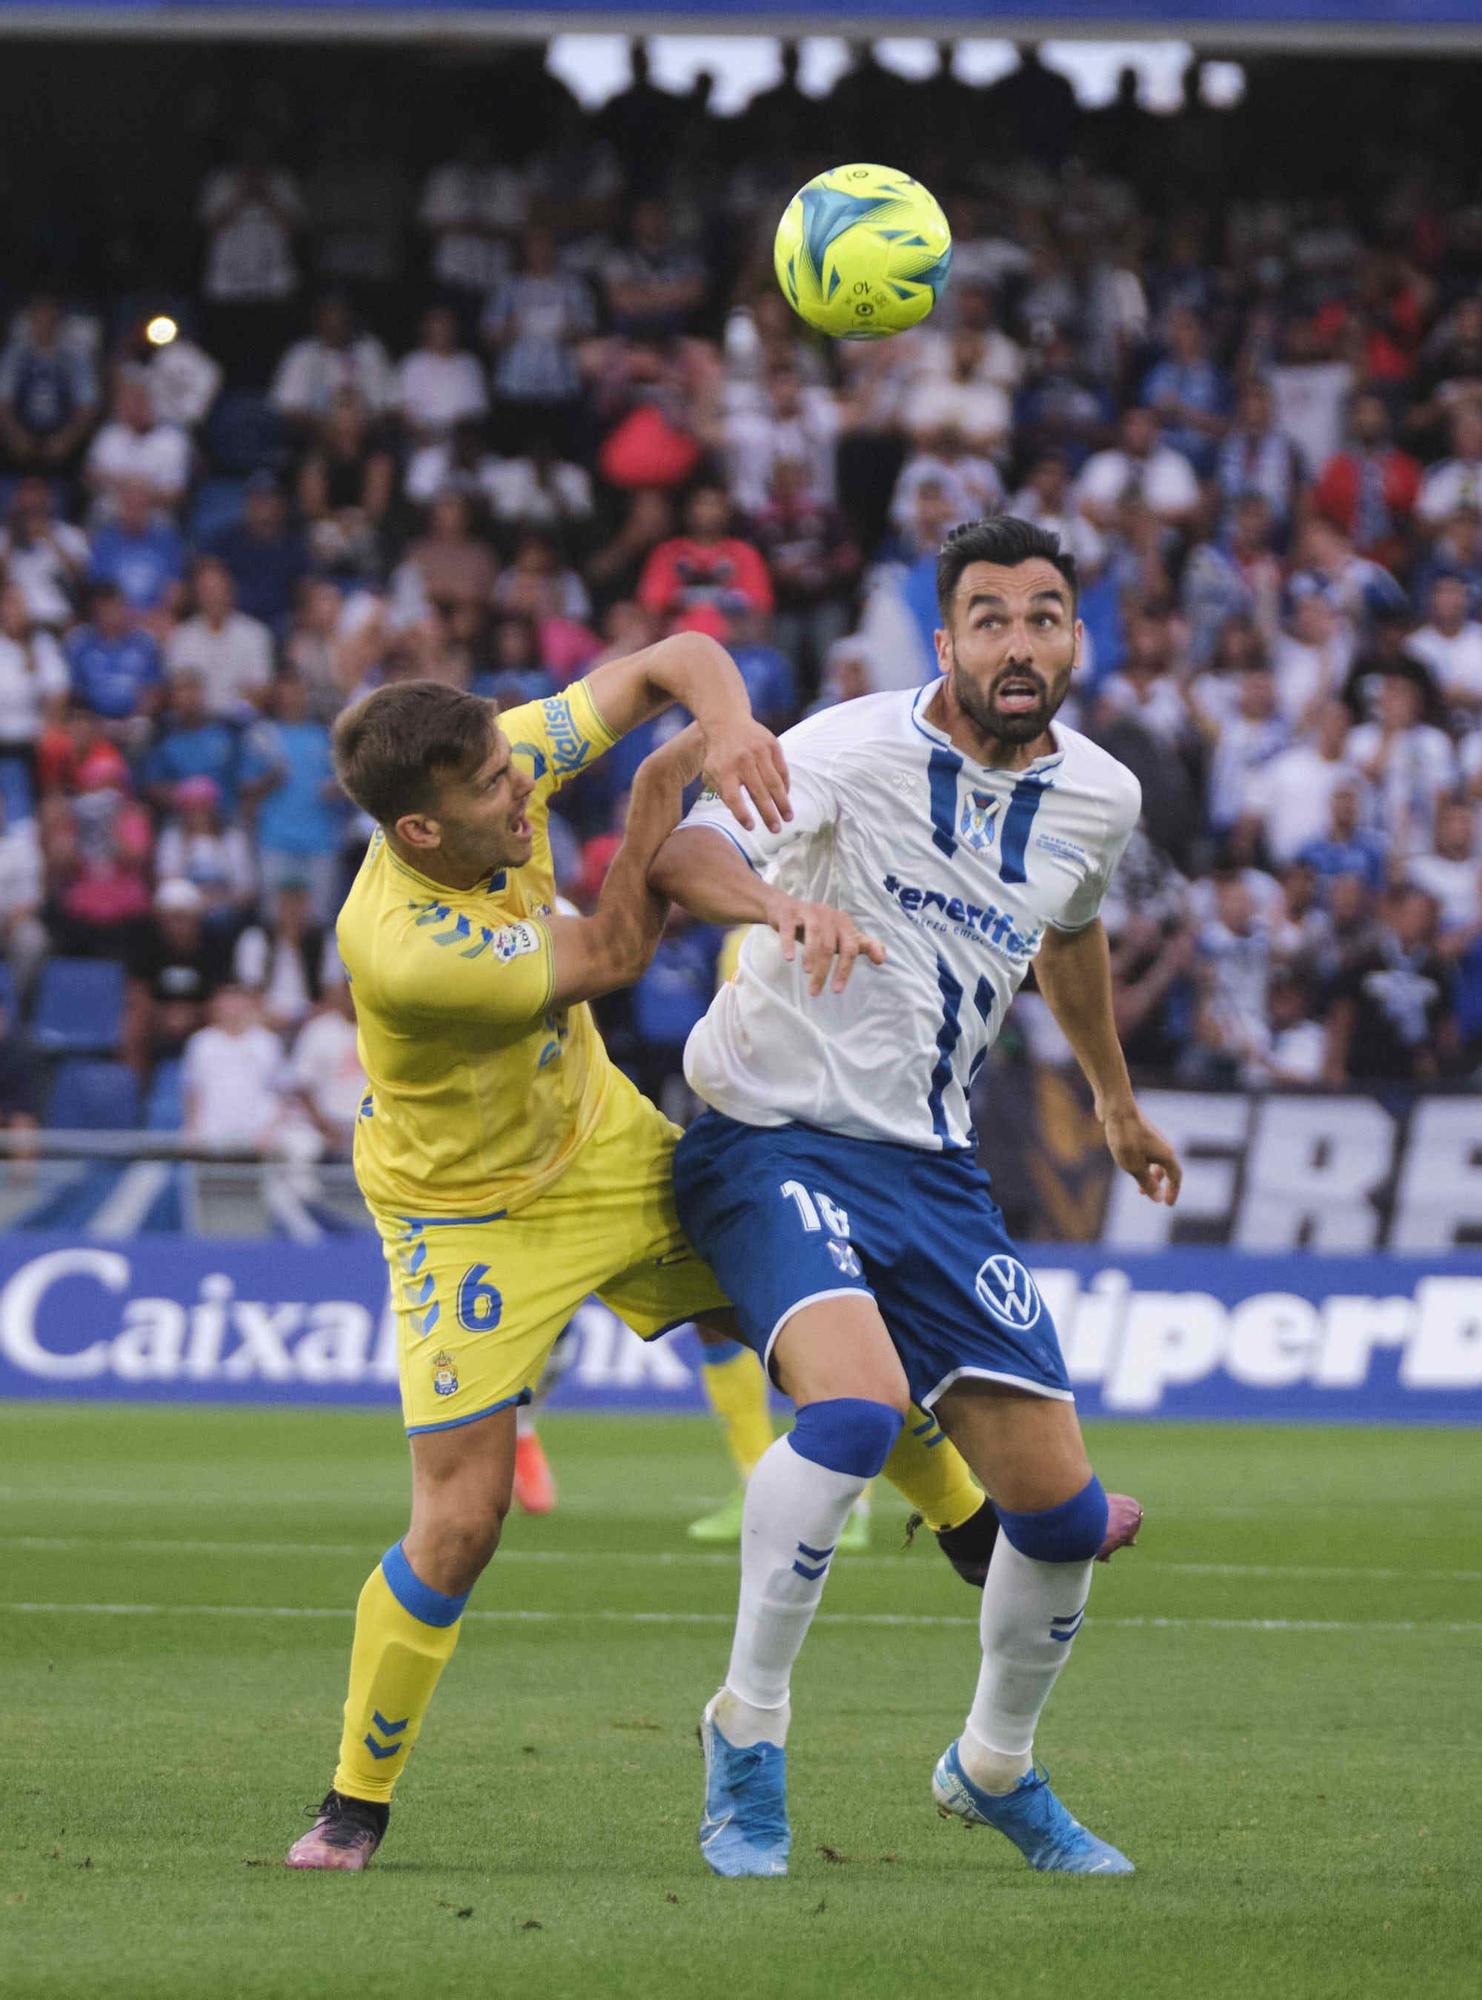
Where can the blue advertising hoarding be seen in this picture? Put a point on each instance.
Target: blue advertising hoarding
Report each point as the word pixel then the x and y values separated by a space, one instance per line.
pixel 1190 1333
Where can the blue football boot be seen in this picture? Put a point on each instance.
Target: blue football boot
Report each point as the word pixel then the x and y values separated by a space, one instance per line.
pixel 743 1829
pixel 1031 1816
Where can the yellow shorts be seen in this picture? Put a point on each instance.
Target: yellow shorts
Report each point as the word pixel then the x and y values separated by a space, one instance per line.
pixel 479 1304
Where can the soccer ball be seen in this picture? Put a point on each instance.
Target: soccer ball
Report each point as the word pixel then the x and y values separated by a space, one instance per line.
pixel 862 252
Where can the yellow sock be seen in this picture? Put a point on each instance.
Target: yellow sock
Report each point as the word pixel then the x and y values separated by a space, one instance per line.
pixel 932 1473
pixel 736 1384
pixel 405 1632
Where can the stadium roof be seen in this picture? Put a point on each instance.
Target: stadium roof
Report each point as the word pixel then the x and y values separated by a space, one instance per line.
pixel 1333 27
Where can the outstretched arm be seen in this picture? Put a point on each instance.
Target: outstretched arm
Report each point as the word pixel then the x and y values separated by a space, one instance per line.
pixel 705 872
pixel 613 946
pixel 1073 971
pixel 741 756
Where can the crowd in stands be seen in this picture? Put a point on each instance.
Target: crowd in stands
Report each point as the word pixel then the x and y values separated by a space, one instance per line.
pixel 495 409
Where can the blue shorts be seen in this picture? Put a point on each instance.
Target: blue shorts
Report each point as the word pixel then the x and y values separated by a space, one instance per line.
pixel 786 1215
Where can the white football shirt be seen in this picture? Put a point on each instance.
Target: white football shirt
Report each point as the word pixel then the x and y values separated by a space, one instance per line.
pixel 957 869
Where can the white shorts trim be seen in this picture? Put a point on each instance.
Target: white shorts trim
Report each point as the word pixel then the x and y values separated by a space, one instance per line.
pixel 813 1298
pixel 995 1375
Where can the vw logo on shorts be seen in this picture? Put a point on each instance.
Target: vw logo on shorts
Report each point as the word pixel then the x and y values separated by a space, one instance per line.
pixel 1008 1291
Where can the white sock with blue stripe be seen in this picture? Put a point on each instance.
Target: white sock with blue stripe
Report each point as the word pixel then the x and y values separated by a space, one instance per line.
pixel 796 1506
pixel 1032 1610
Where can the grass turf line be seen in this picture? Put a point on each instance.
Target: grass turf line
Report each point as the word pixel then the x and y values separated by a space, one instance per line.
pixel 1300 1802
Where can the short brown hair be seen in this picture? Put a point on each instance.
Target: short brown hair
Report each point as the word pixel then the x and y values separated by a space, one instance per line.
pixel 391 749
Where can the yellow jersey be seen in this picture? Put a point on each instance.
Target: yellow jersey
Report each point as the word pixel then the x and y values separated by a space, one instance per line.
pixel 480 1091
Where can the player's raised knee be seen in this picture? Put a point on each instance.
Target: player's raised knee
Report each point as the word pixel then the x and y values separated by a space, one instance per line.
pixel 1071 1532
pixel 848 1434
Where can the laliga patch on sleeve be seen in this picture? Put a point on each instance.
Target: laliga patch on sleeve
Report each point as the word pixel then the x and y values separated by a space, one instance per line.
pixel 514 940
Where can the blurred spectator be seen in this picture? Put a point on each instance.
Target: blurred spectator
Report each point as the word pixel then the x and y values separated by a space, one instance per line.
pixel 231 653
pixel 448 569
pixel 1294 1049
pixel 231 1070
pixel 812 561
pixel 1141 469
pixel 1450 644
pixel 1457 481
pixel 184 380
pixel 654 284
pixel 1312 656
pixel 1189 393
pixel 139 551
pixel 195 847
pixel 1290 798
pixel 300 809
pixel 23 939
pixel 539 490
pixel 1312 383
pixel 440 385
pixel 1458 547
pixel 1369 490
pixel 792 421
pixel 345 488
pixel 1233 576
pixel 175 967
pixel 324 1080
pixel 1347 847
pixel 192 743
pixel 135 445
pixel 1257 457
pixel 1450 371
pixel 290 962
pixel 1046 500
pixel 1452 877
pixel 461 462
pixel 533 321
pixel 1148 688
pixel 335 356
pixel 48 392
pixel 1245 742
pixel 46 558
pixel 1410 762
pixel 312 648
pixel 470 205
pixel 95 849
pixel 1062 409
pixel 708 564
pixel 34 684
pixel 1384 1015
pixel 251 212
pixel 970 481
pixel 1234 972
pixel 267 558
pixel 117 669
pixel 958 393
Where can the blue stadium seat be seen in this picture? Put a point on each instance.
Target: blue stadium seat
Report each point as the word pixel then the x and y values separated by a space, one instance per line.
pixel 243 433
pixel 217 505
pixel 79 1006
pixel 90 1096
pixel 164 1108
pixel 16 794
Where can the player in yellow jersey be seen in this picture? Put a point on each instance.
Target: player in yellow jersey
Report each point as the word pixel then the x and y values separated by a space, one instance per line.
pixel 510 1169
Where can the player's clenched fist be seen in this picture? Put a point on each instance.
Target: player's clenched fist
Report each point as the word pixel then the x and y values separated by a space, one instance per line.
pixel 829 938
pixel 745 759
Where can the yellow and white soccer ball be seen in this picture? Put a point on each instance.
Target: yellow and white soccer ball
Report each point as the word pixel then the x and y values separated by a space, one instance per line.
pixel 862 252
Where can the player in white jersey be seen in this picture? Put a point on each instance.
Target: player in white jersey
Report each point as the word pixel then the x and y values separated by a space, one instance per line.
pixel 832 1183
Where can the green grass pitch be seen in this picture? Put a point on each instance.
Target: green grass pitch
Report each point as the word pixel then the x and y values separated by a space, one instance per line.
pixel 1275 1708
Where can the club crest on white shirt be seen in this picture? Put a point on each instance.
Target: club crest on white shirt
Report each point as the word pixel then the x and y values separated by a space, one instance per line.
pixel 979 813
